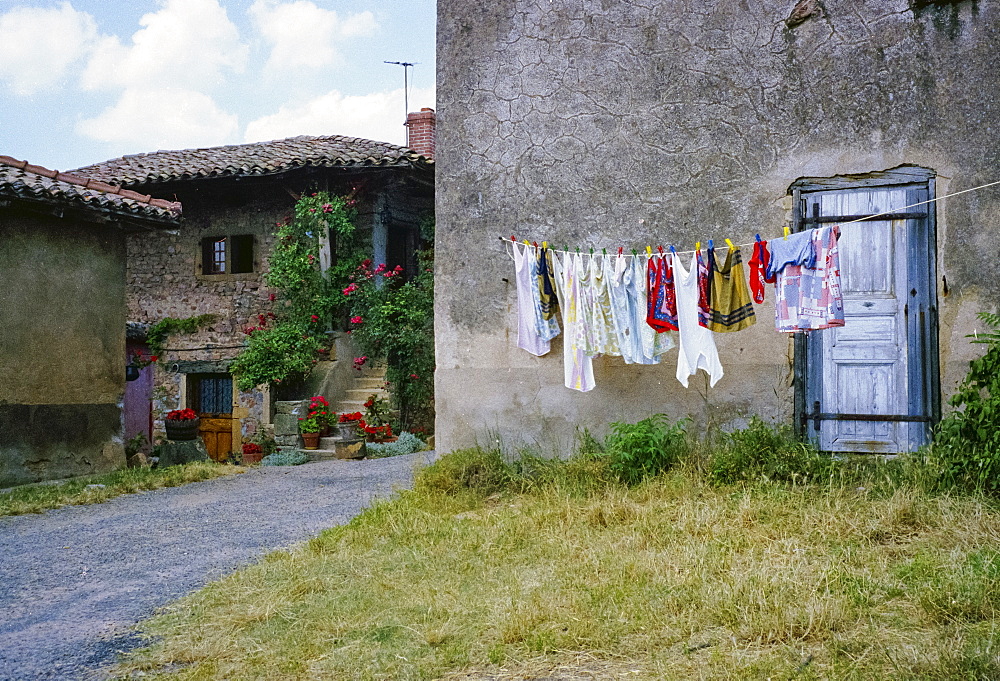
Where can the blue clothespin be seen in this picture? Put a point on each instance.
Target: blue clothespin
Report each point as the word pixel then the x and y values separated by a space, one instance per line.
pixel 711 245
pixel 673 250
pixel 757 237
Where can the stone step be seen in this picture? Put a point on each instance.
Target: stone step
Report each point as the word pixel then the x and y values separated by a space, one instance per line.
pixel 372 384
pixel 353 449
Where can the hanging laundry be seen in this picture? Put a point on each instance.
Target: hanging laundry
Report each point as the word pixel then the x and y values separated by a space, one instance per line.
pixel 547 284
pixel 728 295
pixel 659 316
pixel 603 330
pixel 578 367
pixel 808 296
pixel 794 249
pixel 533 333
pixel 704 290
pixel 638 342
pixel 758 270
pixel 697 345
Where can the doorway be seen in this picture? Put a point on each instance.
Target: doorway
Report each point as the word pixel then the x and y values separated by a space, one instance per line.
pixel 211 395
pixel 873 385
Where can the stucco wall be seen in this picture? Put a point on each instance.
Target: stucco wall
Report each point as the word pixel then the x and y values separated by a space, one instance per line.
pixel 62 311
pixel 601 124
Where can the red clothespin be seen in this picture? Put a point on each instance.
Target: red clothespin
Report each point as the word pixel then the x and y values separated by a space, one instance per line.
pixel 619 251
pixel 535 244
pixel 660 248
pixel 512 238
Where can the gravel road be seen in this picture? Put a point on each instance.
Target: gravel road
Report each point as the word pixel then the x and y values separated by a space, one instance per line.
pixel 74 581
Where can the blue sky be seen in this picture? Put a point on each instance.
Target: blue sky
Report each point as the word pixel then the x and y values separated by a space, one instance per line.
pixel 82 81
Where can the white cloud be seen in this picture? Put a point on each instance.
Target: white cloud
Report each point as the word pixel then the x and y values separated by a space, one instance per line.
pixel 38 46
pixel 186 44
pixel 378 116
pixel 151 119
pixel 304 36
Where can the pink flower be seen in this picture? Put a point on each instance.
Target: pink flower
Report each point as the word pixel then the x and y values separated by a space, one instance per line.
pixel 357 319
pixel 351 288
pixel 380 269
pixel 271 297
pixel 327 208
pixel 414 376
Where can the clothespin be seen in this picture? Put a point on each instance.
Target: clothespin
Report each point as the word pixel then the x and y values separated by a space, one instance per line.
pixel 711 245
pixel 604 252
pixel 757 237
pixel 697 245
pixel 591 251
pixel 673 250
pixel 545 244
pixel 787 232
pixel 634 253
pixel 513 240
pixel 661 249
pixel 526 243
pixel 730 244
pixel 649 250
pixel 619 251
pixel 535 244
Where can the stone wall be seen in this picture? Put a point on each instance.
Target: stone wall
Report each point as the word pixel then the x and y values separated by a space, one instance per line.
pixel 62 357
pixel 604 124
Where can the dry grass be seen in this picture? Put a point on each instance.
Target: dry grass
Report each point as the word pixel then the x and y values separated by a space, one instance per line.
pixel 95 489
pixel 674 579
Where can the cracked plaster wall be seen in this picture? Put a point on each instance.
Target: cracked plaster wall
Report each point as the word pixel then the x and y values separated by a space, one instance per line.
pixel 599 123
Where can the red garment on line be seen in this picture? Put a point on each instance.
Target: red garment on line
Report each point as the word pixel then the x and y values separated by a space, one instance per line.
pixel 758 267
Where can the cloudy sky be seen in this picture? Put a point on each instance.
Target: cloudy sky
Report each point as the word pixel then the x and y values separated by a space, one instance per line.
pixel 82 81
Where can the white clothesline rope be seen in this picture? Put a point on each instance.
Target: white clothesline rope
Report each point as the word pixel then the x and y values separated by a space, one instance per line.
pixel 867 218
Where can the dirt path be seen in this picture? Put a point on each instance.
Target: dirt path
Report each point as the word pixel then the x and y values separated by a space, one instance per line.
pixel 74 581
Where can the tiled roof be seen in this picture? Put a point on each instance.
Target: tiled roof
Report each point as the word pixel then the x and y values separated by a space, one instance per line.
pixel 20 179
pixel 260 158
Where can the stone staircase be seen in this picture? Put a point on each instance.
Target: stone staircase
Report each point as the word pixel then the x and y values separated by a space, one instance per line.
pixel 371 381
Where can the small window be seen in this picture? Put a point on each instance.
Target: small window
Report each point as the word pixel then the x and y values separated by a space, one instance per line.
pixel 227 254
pixel 211 393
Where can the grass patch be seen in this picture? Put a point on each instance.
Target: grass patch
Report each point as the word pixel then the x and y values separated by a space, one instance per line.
pixel 44 496
pixel 563 570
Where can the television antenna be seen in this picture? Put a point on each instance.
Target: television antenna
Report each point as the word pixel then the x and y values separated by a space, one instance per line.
pixel 406 92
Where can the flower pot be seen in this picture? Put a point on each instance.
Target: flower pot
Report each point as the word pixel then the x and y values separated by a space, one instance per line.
pixel 310 440
pixel 182 430
pixel 131 372
pixel 348 430
pixel 250 459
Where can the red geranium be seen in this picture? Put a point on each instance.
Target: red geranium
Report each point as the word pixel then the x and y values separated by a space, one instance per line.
pixel 251 448
pixel 182 415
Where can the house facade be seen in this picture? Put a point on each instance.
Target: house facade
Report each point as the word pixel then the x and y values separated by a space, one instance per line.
pixel 598 125
pixel 62 309
pixel 210 270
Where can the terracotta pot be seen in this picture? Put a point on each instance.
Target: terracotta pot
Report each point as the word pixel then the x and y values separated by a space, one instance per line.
pixel 249 459
pixel 310 440
pixel 182 430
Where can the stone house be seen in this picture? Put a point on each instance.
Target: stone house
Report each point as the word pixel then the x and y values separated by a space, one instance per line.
pixel 214 263
pixel 599 125
pixel 62 309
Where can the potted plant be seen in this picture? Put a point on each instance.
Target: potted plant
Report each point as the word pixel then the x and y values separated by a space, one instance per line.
pixel 348 425
pixel 252 453
pixel 321 408
pixel 182 424
pixel 310 427
pixel 381 433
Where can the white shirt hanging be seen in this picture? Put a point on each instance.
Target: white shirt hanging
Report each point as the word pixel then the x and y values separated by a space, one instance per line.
pixel 697 345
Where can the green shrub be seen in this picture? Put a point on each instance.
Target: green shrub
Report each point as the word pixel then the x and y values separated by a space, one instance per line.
pixel 764 451
pixel 475 469
pixel 966 446
pixel 406 443
pixel 289 458
pixel 637 451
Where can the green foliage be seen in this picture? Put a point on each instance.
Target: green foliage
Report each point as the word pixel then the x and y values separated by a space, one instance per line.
pixel 306 299
pixel 966 447
pixel 158 332
pixel 644 449
pixel 395 320
pixel 406 443
pixel 477 470
pixel 289 458
pixel 274 354
pixel 765 452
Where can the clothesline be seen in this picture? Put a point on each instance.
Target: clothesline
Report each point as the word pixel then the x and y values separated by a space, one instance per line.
pixel 867 218
pixel 622 254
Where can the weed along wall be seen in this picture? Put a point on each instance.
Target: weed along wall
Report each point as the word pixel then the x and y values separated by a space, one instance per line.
pixel 599 125
pixel 62 309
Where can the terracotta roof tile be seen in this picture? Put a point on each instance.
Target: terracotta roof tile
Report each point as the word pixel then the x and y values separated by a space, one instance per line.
pixel 259 158
pixel 20 179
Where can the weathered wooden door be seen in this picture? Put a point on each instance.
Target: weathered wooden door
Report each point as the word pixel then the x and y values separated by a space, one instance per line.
pixel 213 395
pixel 871 385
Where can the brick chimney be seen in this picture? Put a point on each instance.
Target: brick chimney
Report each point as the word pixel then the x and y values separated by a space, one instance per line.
pixel 421 131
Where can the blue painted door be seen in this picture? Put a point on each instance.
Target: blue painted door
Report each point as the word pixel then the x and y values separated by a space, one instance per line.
pixel 878 363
